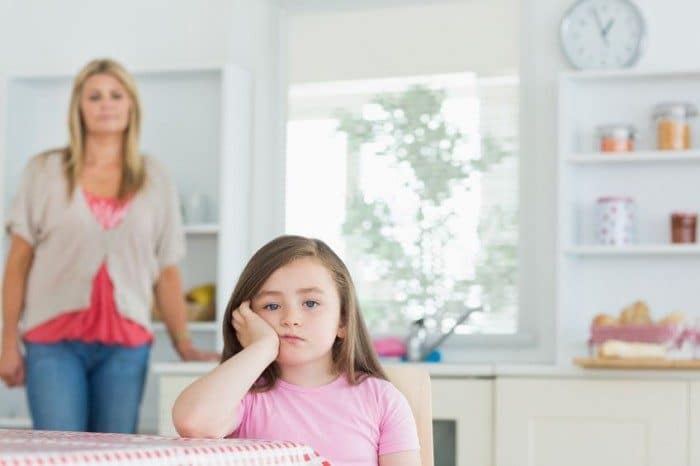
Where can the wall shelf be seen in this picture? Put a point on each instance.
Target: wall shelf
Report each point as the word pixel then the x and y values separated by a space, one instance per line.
pixel 593 158
pixel 624 75
pixel 202 229
pixel 635 250
pixel 192 326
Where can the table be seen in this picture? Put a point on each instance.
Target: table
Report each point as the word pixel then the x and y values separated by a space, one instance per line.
pixel 48 448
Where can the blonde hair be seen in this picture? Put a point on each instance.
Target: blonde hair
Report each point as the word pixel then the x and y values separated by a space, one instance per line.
pixel 353 355
pixel 133 175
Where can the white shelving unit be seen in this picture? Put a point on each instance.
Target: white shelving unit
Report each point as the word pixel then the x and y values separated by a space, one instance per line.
pixel 197 122
pixel 15 423
pixel 202 229
pixel 594 278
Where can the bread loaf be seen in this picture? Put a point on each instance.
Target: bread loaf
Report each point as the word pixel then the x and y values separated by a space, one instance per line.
pixel 604 319
pixel 622 349
pixel 674 318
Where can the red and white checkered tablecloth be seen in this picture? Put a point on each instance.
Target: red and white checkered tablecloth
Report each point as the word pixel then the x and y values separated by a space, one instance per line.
pixel 49 448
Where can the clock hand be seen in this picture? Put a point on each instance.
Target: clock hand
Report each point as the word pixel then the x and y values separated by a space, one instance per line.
pixel 607 27
pixel 600 25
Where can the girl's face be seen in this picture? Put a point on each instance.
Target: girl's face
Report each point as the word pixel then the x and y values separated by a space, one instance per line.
pixel 301 303
pixel 105 105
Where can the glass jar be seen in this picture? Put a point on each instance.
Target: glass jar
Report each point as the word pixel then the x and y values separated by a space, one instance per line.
pixel 672 125
pixel 616 221
pixel 683 227
pixel 616 138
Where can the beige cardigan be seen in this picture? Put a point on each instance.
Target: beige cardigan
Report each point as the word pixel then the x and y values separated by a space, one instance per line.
pixel 70 245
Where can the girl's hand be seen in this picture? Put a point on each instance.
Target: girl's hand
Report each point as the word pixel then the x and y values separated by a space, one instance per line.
pixel 12 366
pixel 251 328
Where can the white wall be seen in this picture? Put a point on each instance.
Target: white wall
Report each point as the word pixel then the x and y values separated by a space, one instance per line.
pixel 428 38
pixel 59 37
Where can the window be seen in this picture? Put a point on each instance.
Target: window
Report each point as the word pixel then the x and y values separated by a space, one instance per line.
pixel 414 182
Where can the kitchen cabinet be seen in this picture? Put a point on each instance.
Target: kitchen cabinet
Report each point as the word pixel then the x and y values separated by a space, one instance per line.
pixel 469 404
pixel 169 388
pixel 694 443
pixel 552 422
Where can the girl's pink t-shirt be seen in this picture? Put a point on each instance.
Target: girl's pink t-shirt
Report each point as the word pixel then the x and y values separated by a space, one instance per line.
pixel 350 425
pixel 101 322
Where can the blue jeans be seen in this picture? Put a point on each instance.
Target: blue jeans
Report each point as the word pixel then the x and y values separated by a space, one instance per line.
pixel 91 387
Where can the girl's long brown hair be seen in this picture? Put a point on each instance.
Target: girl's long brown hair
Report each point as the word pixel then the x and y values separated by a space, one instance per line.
pixel 353 355
pixel 134 175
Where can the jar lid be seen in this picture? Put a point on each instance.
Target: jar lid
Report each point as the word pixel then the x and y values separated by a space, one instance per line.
pixel 620 131
pixel 684 214
pixel 675 109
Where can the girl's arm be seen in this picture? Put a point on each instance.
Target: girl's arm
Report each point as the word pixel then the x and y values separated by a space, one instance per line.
pixel 19 261
pixel 210 406
pixel 402 458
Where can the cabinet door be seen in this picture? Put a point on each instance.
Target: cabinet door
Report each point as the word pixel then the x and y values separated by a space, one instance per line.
pixel 695 424
pixel 469 404
pixel 170 388
pixel 591 422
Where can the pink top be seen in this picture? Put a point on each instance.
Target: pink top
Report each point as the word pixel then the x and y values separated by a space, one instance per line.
pixel 350 425
pixel 101 322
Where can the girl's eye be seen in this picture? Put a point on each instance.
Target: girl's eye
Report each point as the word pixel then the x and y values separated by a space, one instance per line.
pixel 116 96
pixel 271 307
pixel 94 97
pixel 310 304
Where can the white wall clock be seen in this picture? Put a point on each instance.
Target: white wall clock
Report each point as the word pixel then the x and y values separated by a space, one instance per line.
pixel 603 34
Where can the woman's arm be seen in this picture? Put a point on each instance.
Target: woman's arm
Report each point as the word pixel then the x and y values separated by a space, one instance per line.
pixel 170 301
pixel 19 261
pixel 209 407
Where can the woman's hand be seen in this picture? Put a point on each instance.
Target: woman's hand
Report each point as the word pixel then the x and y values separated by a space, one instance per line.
pixel 12 366
pixel 251 328
pixel 188 352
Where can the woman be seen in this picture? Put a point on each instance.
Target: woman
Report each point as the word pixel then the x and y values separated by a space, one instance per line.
pixel 95 229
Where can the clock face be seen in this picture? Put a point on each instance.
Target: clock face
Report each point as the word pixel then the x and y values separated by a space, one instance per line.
pixel 602 33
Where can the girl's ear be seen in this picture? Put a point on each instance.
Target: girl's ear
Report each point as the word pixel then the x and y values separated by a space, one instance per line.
pixel 342 331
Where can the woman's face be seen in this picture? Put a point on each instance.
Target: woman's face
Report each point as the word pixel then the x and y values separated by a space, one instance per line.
pixel 105 105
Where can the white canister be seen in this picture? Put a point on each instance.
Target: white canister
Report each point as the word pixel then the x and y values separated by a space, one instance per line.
pixel 197 209
pixel 616 220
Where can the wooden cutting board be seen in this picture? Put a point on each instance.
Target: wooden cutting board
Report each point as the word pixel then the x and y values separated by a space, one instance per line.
pixel 596 363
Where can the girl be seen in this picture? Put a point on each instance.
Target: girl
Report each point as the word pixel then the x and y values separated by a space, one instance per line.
pixel 298 365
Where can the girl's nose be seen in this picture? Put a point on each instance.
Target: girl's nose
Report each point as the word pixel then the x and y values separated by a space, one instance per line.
pixel 291 317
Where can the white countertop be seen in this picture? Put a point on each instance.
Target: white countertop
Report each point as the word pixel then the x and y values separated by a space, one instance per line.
pixel 451 370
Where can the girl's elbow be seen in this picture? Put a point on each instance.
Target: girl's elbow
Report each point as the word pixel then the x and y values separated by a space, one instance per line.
pixel 189 426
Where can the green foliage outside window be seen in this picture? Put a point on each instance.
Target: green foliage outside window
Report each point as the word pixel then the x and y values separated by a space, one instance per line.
pixel 409 130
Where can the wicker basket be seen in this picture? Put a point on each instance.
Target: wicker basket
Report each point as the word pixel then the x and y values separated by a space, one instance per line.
pixel 670 335
pixel 195 312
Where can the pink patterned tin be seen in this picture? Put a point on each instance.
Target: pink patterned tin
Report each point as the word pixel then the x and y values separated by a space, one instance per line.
pixel 616 220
